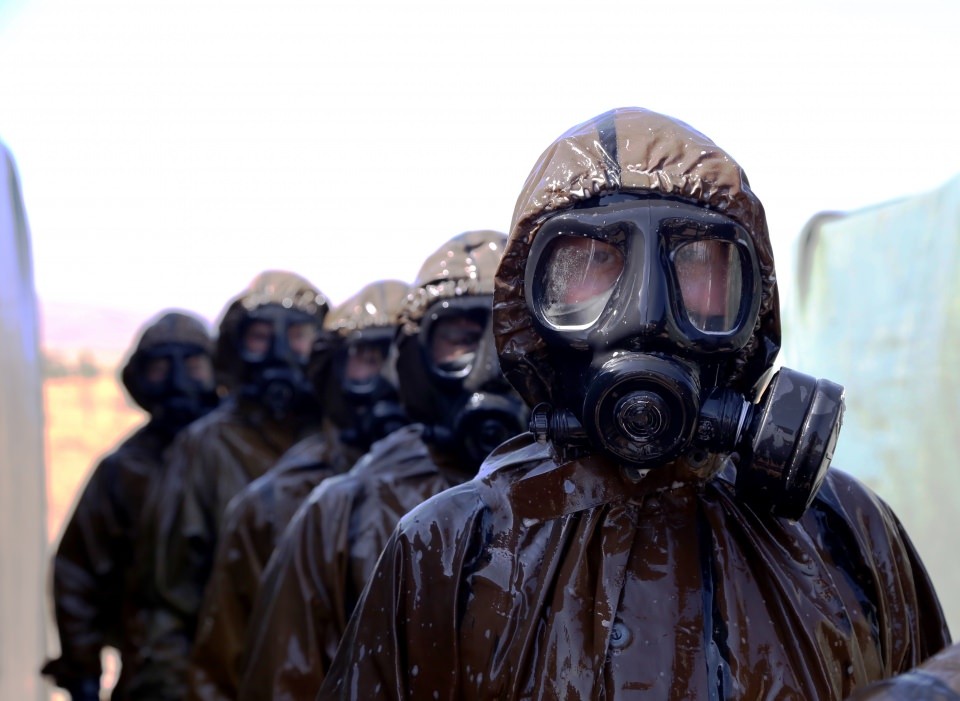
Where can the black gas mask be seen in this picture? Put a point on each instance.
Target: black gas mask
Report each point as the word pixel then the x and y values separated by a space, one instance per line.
pixel 174 381
pixel 275 346
pixel 371 407
pixel 474 409
pixel 646 304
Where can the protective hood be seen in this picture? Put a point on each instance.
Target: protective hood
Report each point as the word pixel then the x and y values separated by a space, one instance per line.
pixel 463 267
pixel 376 306
pixel 371 315
pixel 169 327
pixel 639 152
pixel 271 287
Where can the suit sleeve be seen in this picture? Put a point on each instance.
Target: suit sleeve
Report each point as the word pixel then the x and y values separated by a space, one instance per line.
pixel 88 571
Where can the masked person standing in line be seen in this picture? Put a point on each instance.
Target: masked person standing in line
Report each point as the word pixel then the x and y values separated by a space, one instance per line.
pixel 96 598
pixel 669 528
pixel 450 382
pixel 266 336
pixel 359 406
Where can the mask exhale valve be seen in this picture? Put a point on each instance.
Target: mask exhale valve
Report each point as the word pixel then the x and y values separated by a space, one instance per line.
pixel 642 415
pixel 642 408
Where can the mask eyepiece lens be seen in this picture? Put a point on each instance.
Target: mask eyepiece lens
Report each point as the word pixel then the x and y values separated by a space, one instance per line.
pixel 710 277
pixel 453 344
pixel 577 279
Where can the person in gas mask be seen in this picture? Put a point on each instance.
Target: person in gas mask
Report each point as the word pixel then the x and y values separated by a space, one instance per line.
pixel 354 378
pixel 97 600
pixel 264 345
pixel 669 528
pixel 359 406
pixel 451 385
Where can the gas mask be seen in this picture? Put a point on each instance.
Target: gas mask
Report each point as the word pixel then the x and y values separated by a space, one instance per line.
pixel 371 408
pixel 175 382
pixel 275 345
pixel 646 304
pixel 450 372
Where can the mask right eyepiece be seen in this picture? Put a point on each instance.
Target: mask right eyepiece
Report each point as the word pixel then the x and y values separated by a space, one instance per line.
pixel 792 435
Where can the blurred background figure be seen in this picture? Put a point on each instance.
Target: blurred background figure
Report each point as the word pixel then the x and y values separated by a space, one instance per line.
pixel 878 310
pixel 450 383
pixel 22 484
pixel 265 339
pixel 97 590
pixel 357 385
pixel 358 406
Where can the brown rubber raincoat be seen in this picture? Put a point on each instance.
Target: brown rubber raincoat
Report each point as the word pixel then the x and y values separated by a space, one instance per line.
pixel 253 521
pixel 258 515
pixel 544 579
pixel 97 575
pixel 330 548
pixel 211 462
pixel 324 559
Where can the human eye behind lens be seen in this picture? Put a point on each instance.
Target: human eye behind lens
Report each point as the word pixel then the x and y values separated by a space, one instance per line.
pixel 198 367
pixel 461 336
pixel 157 369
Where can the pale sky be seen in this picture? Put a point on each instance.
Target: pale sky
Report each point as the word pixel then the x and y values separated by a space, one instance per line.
pixel 171 150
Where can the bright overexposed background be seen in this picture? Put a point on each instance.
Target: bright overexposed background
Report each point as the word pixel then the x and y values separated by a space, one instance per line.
pixel 171 150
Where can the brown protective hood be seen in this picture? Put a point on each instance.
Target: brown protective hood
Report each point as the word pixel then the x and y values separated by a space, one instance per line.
pixel 375 306
pixel 270 287
pixel 633 151
pixel 464 265
pixel 169 327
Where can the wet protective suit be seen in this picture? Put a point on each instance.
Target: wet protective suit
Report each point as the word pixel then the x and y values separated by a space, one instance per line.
pixel 271 408
pixel 669 529
pixel 463 408
pixel 99 572
pixel 355 410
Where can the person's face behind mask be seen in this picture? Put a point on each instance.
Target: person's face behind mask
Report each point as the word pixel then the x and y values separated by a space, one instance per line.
pixel 666 272
pixel 364 363
pixel 275 345
pixel 473 408
pixel 178 381
pixel 647 303
pixel 579 279
pixel 453 344
pixel 367 406
pixel 258 339
pixel 196 366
